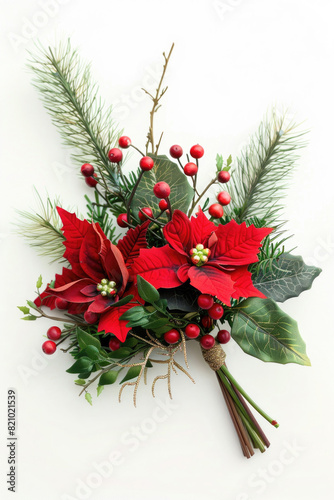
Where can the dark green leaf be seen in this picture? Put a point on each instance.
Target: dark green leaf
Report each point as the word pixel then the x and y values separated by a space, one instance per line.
pixel 121 353
pixel 167 171
pixel 90 351
pixel 133 372
pixel 263 330
pixel 108 378
pixel 123 301
pixel 287 277
pixel 134 314
pixel 80 366
pixel 85 339
pixel 147 291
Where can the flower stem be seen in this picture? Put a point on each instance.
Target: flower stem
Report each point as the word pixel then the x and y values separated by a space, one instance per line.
pixel 228 375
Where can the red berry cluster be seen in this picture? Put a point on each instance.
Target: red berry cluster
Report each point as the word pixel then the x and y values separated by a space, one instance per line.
pixel 87 171
pixel 190 169
pixel 49 346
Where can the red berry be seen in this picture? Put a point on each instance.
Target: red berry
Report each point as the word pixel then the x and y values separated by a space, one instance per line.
pixel 122 220
pixel 115 155
pixel 176 151
pixel 90 181
pixel 124 142
pixel 224 198
pixel 223 336
pixel 224 176
pixel 205 301
pixel 114 344
pixel 163 205
pixel 190 169
pixel 54 333
pixel 206 322
pixel 216 211
pixel 216 311
pixel 90 317
pixel 87 170
pixel 172 337
pixel 61 303
pixel 161 190
pixel 192 331
pixel 147 211
pixel 49 347
pixel 207 341
pixel 146 163
pixel 196 151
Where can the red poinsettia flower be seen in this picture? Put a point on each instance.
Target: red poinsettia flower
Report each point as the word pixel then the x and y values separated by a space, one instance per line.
pixel 214 258
pixel 99 276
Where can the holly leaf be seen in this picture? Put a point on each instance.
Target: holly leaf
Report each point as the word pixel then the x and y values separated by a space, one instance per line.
pixel 167 171
pixel 266 332
pixel 147 291
pixel 288 277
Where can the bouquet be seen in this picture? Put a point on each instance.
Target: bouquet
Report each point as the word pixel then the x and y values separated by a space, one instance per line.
pixel 205 265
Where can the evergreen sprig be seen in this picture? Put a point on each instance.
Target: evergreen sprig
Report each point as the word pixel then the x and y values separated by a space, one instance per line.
pixel 42 229
pixel 71 98
pixel 259 181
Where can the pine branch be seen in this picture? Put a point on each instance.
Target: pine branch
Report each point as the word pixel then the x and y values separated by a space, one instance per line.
pixel 258 183
pixel 71 98
pixel 42 229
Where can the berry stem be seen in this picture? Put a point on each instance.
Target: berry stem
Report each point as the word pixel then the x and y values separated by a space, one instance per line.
pixel 134 147
pixel 169 208
pixel 195 201
pixel 232 380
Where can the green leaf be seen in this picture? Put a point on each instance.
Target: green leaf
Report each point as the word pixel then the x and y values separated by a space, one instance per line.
pixel 32 305
pixel 88 397
pixel 90 351
pixel 39 282
pixel 31 317
pixel 263 330
pixel 80 381
pixel 99 389
pixel 123 301
pixel 81 365
pixel 132 372
pixel 147 291
pixel 167 171
pixel 219 162
pixel 24 309
pixel 134 314
pixel 122 352
pixel 108 378
pixel 85 339
pixel 288 277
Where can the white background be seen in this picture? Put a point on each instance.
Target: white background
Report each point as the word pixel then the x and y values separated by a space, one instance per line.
pixel 233 60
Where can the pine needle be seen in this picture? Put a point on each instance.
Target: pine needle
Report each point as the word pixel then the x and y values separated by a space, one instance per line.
pixel 71 98
pixel 42 230
pixel 260 179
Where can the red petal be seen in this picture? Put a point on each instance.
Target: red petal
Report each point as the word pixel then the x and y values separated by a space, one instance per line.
pixel 114 265
pixel 110 322
pixel 100 304
pixel 243 285
pixel 210 280
pixel 133 241
pixel 74 231
pixel 77 308
pixel 202 228
pixel 49 300
pixel 182 273
pixel 178 233
pixel 238 244
pixel 72 291
pixel 159 266
pixel 90 260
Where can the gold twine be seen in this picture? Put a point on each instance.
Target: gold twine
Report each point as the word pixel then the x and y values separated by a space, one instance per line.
pixel 215 357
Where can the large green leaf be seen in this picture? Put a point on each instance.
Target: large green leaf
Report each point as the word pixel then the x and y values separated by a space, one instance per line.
pixel 85 339
pixel 167 171
pixel 288 277
pixel 263 330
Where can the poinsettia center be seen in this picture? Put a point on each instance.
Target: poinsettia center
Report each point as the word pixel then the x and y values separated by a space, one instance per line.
pixel 199 255
pixel 107 288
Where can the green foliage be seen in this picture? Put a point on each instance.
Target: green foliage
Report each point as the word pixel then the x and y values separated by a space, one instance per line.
pixel 263 170
pixel 263 330
pixel 101 214
pixel 108 378
pixel 71 98
pixel 86 339
pixel 24 309
pixel 39 282
pixel 287 277
pixel 83 364
pixel 42 229
pixel 167 171
pixel 132 372
pixel 147 291
pixel 88 398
